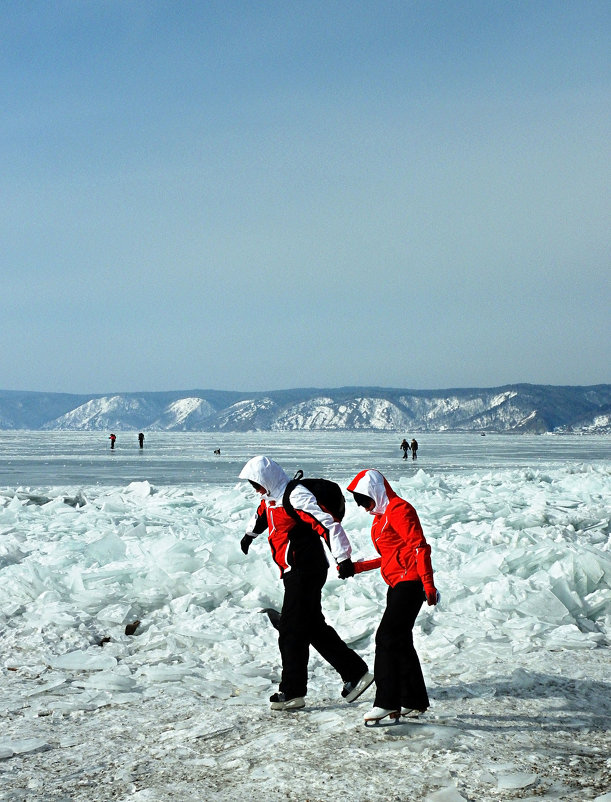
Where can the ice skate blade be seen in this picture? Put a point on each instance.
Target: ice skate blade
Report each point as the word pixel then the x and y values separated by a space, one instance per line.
pixel 384 721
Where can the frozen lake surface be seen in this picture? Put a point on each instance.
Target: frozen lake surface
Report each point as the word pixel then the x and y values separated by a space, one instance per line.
pixel 44 459
pixel 516 657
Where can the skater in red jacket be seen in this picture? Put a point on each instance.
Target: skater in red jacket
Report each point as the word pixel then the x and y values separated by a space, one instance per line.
pixel 405 564
pixel 297 550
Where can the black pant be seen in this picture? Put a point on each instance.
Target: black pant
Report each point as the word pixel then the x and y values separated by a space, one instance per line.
pixel 398 675
pixel 302 624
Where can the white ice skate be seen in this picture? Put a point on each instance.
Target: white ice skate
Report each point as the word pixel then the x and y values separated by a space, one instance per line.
pixel 382 715
pixel 411 712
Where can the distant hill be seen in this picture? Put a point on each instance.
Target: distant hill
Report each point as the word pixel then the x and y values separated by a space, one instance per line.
pixel 513 408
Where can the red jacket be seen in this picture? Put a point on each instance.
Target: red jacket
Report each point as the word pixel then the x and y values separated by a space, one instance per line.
pixel 281 530
pixel 396 532
pixel 290 547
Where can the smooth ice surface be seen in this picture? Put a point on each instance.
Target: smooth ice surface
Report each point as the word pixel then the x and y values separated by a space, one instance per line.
pixel 516 656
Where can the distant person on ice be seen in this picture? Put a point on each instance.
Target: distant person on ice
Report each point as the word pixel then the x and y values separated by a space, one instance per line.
pixel 414 448
pixel 141 440
pixel 405 448
pixel 112 439
pixel 298 551
pixel 405 563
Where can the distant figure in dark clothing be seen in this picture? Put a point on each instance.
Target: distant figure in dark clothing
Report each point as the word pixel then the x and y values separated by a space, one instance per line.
pixel 141 440
pixel 414 447
pixel 112 439
pixel 405 448
pixel 217 452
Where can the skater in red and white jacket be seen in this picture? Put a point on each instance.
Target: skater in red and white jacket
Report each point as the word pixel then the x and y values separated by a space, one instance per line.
pixel 405 564
pixel 297 549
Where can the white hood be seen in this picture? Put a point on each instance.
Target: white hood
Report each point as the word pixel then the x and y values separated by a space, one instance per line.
pixel 267 473
pixel 372 483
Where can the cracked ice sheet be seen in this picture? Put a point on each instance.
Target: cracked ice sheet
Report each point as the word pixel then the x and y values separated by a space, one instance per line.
pixel 516 657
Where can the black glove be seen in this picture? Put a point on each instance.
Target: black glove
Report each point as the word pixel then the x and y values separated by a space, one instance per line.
pixel 245 542
pixel 345 569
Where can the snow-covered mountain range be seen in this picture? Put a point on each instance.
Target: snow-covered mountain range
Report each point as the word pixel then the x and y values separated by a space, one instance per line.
pixel 512 408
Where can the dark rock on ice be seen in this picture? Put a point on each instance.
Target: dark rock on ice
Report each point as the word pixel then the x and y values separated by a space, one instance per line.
pixel 130 629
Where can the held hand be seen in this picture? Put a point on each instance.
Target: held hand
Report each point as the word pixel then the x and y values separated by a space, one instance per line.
pixel 245 542
pixel 345 569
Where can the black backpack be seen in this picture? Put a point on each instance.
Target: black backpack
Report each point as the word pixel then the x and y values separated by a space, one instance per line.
pixel 328 494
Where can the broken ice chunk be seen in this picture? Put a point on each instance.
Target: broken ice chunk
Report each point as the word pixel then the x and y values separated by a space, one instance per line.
pixel 83 661
pixel 521 779
pixel 10 748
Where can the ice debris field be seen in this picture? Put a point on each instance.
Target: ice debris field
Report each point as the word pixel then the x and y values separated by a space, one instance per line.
pixel 516 657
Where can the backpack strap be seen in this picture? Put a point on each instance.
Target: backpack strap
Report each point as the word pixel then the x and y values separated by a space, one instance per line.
pixel 287 492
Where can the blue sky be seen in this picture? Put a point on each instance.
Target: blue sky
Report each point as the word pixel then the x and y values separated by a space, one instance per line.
pixel 262 195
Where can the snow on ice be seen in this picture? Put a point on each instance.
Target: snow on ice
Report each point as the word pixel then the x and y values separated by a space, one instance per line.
pixel 516 657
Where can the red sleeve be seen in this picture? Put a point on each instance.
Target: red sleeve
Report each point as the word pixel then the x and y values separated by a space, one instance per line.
pixel 425 568
pixel 367 565
pixel 404 520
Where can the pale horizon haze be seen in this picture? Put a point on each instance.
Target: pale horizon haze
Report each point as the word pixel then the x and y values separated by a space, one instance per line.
pixel 265 195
